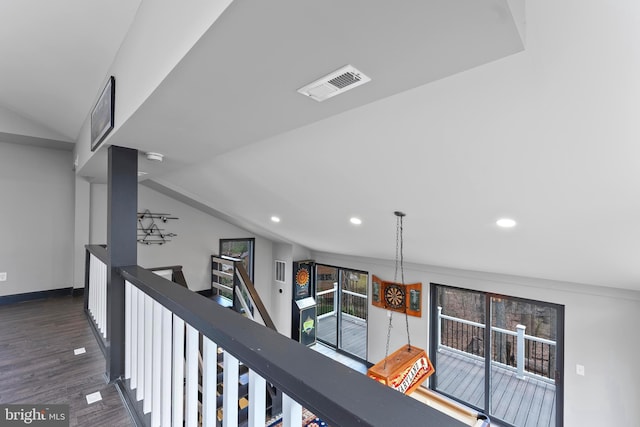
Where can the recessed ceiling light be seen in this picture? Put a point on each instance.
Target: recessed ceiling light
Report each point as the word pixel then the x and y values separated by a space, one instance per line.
pixel 275 219
pixel 355 221
pixel 506 223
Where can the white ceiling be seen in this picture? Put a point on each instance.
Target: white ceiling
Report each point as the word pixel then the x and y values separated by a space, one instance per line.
pixel 458 128
pixel 55 57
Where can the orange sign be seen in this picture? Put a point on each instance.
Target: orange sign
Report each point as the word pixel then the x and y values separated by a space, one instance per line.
pixel 404 370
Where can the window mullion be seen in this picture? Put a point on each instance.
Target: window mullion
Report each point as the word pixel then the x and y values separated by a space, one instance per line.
pixel 487 353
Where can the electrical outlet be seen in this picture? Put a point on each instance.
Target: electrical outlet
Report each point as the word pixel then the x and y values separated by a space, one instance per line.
pixel 580 370
pixel 3 277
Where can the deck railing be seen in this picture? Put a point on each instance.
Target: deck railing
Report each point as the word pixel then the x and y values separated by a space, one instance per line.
pixel 169 378
pixel 526 354
pixel 326 302
pixel 352 303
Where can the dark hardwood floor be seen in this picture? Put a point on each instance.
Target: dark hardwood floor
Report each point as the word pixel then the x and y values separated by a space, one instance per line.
pixel 38 365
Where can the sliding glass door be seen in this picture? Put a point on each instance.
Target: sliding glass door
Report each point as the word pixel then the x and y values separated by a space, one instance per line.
pixel 461 368
pixel 341 297
pixel 501 355
pixel 327 304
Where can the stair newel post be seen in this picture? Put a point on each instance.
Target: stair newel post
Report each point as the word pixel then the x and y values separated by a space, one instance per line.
pixel 122 206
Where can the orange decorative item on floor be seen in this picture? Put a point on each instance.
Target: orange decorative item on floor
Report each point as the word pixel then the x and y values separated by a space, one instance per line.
pixel 403 370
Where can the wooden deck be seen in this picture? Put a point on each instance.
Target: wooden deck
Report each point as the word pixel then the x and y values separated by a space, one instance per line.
pixel 38 364
pixel 354 364
pixel 523 403
pixel 354 335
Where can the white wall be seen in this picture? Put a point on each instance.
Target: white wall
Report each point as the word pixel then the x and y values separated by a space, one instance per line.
pixel 161 34
pixel 98 214
pixel 599 324
pixel 36 218
pixel 198 236
pixel 280 309
pixel 13 123
pixel 81 229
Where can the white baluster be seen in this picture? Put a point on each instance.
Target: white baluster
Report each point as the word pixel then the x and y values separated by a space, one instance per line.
pixel 134 338
pixel 230 391
pixel 148 352
pixel 209 380
pixel 103 304
pixel 291 412
pixel 178 372
pixel 191 407
pixel 257 400
pixel 157 365
pixel 92 285
pixel 127 330
pixel 104 307
pixel 167 338
pixel 140 369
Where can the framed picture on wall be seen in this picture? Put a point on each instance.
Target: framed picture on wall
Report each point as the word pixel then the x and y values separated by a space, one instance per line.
pixel 102 115
pixel 376 291
pixel 242 249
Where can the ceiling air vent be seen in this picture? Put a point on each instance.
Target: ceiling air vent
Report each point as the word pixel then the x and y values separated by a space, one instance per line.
pixel 333 84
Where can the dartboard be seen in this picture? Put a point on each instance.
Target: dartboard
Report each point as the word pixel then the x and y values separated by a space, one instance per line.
pixel 394 296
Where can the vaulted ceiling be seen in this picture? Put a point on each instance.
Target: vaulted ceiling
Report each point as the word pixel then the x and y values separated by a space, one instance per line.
pixel 476 110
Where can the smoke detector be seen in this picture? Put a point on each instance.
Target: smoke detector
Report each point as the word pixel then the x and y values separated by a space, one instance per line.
pixel 156 157
pixel 342 80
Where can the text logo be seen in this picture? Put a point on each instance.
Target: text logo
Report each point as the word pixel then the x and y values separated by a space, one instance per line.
pixel 34 415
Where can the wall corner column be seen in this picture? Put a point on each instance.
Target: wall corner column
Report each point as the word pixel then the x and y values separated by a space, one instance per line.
pixel 122 206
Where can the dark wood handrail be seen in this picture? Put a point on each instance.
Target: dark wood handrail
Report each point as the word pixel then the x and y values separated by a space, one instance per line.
pixel 100 251
pixel 255 297
pixel 169 267
pixel 334 392
pixel 176 274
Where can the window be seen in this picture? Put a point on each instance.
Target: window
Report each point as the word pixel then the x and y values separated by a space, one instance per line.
pixel 501 355
pixel 240 249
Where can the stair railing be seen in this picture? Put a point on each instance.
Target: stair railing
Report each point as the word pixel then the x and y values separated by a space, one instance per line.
pixel 231 275
pixel 246 293
pixel 161 381
pixel 95 295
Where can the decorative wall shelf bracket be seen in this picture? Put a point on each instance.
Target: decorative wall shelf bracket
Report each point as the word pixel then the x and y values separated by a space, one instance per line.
pixel 149 233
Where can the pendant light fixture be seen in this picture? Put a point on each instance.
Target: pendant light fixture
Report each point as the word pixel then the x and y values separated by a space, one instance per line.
pixel 408 367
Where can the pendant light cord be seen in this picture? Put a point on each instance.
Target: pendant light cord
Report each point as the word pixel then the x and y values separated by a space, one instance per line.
pixel 399 261
pixel 406 316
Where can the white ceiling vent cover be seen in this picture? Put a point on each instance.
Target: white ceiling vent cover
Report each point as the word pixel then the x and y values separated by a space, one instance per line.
pixel 333 84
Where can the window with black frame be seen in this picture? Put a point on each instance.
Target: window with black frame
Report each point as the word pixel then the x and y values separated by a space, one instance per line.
pixel 242 249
